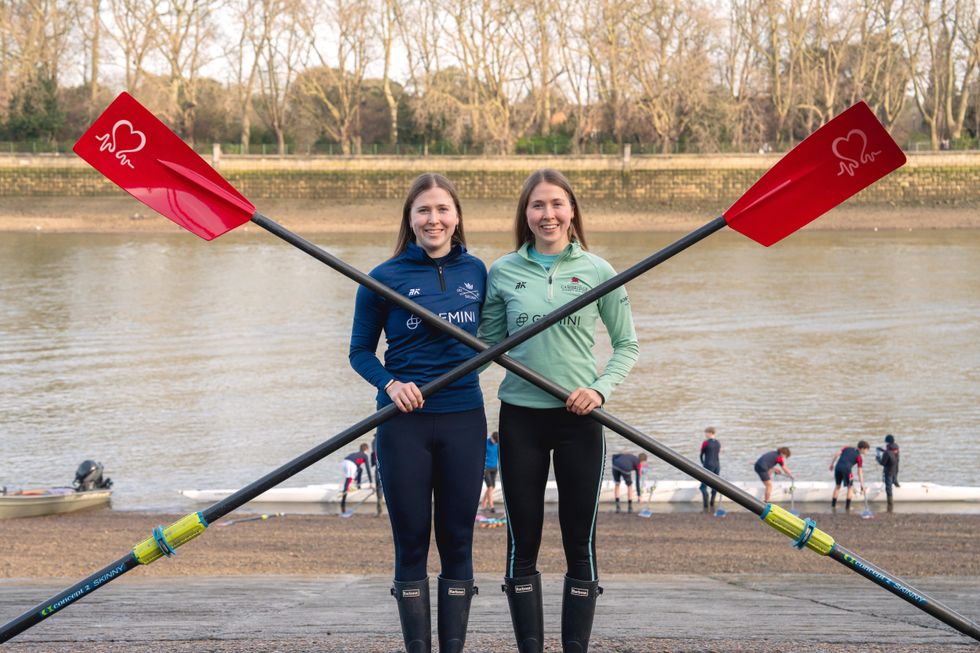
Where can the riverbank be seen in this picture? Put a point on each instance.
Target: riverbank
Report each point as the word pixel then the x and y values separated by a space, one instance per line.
pixel 674 582
pixel 686 543
pixel 125 215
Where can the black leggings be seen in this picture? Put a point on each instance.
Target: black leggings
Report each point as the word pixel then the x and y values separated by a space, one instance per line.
pixel 426 460
pixel 527 438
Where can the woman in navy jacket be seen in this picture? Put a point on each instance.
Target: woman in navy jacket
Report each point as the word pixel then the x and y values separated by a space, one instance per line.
pixel 430 455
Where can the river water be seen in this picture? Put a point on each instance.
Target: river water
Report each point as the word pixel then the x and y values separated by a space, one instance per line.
pixel 185 364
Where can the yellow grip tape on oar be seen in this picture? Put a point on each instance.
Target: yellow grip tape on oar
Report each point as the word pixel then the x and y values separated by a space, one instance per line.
pixel 804 532
pixel 165 541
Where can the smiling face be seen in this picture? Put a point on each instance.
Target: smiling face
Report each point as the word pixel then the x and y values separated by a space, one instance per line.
pixel 549 217
pixel 433 220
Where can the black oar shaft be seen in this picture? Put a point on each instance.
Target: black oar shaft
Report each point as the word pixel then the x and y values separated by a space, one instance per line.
pixel 68 596
pixel 901 589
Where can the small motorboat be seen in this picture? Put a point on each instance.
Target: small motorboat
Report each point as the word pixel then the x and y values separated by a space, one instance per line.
pixel 90 490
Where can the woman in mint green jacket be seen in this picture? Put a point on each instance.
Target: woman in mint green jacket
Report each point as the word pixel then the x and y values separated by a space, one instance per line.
pixel 551 267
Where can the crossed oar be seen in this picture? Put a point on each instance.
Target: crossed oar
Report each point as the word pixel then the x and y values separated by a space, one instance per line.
pixel 805 183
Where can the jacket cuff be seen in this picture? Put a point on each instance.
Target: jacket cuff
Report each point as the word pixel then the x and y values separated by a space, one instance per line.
pixel 604 390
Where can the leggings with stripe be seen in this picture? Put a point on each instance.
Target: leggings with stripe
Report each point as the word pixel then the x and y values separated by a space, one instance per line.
pixel 528 436
pixel 431 464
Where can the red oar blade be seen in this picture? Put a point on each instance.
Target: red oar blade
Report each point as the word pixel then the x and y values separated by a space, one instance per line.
pixel 849 153
pixel 130 146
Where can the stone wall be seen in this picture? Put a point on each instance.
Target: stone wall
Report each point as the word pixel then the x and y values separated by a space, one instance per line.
pixel 685 181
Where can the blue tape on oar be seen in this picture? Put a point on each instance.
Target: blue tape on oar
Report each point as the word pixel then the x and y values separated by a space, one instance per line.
pixel 808 527
pixel 162 542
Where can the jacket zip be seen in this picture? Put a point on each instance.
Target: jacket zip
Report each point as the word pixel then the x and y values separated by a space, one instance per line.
pixel 551 277
pixel 551 273
pixel 442 279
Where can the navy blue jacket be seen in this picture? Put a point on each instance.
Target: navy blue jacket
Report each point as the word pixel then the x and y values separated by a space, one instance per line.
pixel 416 352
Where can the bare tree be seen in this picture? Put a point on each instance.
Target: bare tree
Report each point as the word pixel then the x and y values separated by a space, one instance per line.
pixel 6 55
pixel 88 20
pixel 741 72
pixel 254 22
pixel 439 98
pixel 484 42
pixel 39 32
pixel 669 63
pixel 940 69
pixel 826 52
pixel 605 31
pixel 134 30
pixel 536 33
pixel 577 76
pixel 967 51
pixel 877 66
pixel 336 84
pixel 282 55
pixel 780 42
pixel 389 16
pixel 184 28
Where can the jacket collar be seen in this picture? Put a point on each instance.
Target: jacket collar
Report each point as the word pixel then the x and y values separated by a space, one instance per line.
pixel 416 254
pixel 572 250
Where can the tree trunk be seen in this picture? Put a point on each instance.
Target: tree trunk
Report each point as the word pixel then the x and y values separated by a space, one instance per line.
pixel 246 130
pixel 93 93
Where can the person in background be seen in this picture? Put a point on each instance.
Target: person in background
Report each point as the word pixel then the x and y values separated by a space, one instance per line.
pixel 842 466
pixel 772 462
pixel 372 463
pixel 888 458
pixel 710 460
pixel 624 467
pixel 352 465
pixel 490 472
pixel 552 267
pixel 431 453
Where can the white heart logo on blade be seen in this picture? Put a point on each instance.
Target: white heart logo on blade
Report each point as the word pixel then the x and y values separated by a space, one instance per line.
pixel 111 142
pixel 849 164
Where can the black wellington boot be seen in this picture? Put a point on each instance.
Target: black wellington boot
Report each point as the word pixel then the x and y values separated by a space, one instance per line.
pixel 454 613
pixel 414 613
pixel 526 612
pixel 577 612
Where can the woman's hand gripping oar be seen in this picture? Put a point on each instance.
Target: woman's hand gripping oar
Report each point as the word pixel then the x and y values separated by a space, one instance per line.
pixel 221 208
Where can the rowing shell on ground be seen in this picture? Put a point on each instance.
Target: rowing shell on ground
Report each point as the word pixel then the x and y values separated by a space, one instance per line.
pixel 665 492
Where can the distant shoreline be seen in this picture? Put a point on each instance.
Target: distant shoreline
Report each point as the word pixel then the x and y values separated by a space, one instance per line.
pixel 124 215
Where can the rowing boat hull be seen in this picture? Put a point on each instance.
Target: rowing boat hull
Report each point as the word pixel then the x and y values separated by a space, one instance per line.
pixel 37 505
pixel 664 492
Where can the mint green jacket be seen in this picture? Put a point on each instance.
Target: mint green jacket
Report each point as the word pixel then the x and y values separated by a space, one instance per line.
pixel 520 291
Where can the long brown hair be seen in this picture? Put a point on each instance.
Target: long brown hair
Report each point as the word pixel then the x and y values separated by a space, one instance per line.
pixel 522 232
pixel 422 183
